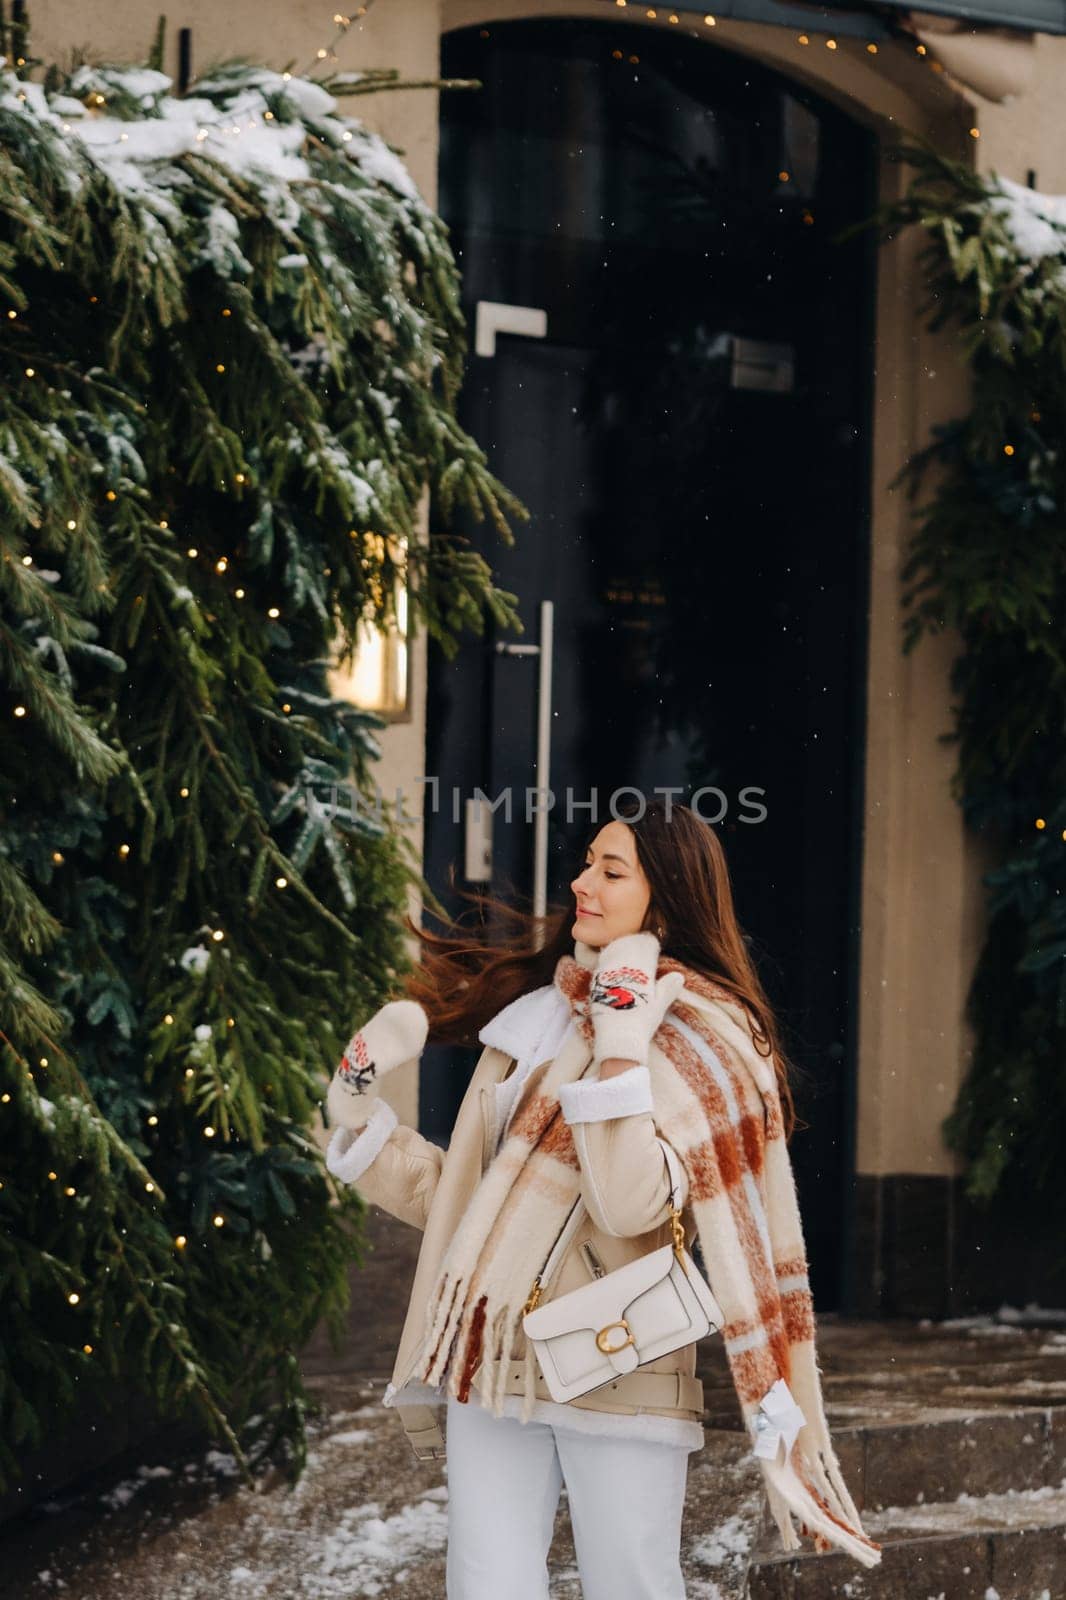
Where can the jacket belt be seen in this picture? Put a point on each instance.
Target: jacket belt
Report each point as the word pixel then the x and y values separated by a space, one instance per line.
pixel 665 1391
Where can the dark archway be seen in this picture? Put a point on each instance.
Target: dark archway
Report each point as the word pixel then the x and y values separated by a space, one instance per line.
pixel 691 431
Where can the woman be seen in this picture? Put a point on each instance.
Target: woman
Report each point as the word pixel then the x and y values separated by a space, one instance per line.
pixel 635 1026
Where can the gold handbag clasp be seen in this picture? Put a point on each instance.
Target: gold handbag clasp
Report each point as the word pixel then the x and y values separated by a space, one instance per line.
pixel 610 1349
pixel 679 1238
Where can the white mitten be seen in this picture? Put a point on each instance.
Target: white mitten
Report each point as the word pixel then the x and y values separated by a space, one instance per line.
pixel 394 1034
pixel 626 1001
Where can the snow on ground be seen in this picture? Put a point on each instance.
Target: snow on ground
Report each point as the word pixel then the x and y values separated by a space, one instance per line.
pixel 365 1520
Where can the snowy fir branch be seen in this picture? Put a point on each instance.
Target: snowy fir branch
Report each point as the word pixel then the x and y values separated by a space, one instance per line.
pixel 232 345
pixel 988 561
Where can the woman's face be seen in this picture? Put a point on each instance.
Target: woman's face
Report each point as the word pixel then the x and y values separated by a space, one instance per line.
pixel 612 891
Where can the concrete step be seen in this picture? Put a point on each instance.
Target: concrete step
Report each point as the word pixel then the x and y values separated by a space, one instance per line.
pixel 949 1451
pixel 1009 1546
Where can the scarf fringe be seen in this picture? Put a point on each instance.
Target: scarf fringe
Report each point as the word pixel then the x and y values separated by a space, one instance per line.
pixel 441 1328
pixel 825 1519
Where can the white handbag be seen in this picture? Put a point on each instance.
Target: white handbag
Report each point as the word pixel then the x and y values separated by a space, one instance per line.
pixel 624 1318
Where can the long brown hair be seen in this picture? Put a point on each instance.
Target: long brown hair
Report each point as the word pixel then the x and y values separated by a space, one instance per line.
pixel 464 978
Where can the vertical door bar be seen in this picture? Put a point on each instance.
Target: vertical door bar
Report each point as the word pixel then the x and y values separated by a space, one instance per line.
pixel 544 754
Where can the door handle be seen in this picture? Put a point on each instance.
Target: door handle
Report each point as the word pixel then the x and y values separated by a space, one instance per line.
pixel 542 762
pixel 495 316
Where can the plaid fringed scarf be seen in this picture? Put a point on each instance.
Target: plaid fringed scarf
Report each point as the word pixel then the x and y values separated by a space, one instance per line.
pixel 717 1103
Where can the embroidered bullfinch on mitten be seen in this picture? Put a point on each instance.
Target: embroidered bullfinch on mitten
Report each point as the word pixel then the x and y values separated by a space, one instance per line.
pixel 395 1034
pixel 626 1001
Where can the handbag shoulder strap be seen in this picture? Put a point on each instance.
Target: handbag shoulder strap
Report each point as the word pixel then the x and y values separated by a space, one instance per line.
pixel 575 1217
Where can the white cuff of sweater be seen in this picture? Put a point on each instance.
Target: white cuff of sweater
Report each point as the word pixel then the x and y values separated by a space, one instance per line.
pixel 350 1151
pixel 597 1099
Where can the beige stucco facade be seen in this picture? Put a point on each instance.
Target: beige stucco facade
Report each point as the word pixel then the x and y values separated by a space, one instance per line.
pixel 921 891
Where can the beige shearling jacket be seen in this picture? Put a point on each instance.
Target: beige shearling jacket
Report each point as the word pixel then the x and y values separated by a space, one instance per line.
pixel 625 1185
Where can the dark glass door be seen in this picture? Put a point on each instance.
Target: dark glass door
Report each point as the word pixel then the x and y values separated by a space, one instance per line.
pixel 688 421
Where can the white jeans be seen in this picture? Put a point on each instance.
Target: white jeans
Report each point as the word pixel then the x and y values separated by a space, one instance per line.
pixel 626 1497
